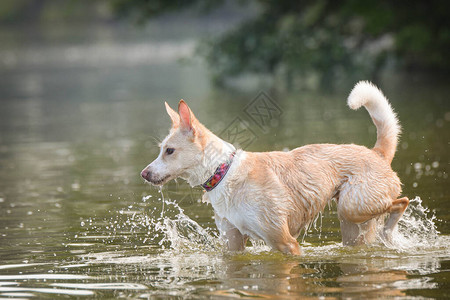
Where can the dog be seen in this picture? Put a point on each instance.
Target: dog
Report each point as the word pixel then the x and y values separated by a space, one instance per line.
pixel 272 196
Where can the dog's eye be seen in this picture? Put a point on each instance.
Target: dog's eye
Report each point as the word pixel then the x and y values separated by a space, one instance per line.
pixel 170 150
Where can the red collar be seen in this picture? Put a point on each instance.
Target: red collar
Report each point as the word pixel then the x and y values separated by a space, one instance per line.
pixel 219 174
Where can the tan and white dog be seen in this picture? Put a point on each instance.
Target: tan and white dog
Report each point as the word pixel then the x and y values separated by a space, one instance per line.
pixel 274 195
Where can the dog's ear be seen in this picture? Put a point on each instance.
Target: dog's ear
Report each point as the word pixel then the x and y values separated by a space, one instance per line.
pixel 186 116
pixel 173 115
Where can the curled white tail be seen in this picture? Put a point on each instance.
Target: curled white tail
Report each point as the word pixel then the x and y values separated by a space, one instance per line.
pixel 388 129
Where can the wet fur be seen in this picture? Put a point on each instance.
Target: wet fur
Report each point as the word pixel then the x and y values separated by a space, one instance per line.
pixel 273 195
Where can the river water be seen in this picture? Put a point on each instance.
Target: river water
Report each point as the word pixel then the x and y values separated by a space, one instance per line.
pixel 80 118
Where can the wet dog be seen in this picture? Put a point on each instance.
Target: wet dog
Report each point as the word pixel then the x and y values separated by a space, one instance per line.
pixel 274 195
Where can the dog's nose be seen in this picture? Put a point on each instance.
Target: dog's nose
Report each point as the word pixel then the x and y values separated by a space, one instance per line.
pixel 146 174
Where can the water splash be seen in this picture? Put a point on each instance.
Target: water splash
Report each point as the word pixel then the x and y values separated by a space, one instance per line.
pixel 163 201
pixel 161 224
pixel 182 233
pixel 158 222
pixel 416 228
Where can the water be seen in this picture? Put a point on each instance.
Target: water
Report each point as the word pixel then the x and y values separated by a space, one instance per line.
pixel 76 220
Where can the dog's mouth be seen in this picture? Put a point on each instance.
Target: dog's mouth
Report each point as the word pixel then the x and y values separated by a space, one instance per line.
pixel 159 182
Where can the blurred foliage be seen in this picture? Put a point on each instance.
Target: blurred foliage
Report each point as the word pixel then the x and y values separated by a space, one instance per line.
pixel 329 37
pixel 142 10
pixel 30 12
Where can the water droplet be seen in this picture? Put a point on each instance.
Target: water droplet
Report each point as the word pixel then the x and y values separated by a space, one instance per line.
pixel 75 186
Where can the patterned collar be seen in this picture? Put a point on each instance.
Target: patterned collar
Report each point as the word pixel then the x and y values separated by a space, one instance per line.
pixel 219 174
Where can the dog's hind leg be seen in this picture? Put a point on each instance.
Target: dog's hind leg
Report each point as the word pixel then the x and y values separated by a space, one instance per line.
pixel 358 234
pixel 396 211
pixel 360 205
pixel 349 232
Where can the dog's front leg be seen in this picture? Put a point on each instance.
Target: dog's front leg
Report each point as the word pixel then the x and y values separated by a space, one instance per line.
pixel 233 237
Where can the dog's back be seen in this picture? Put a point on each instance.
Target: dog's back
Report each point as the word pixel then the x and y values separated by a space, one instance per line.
pixel 360 179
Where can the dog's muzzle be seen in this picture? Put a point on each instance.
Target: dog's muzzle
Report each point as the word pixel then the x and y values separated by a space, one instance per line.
pixel 149 177
pixel 146 174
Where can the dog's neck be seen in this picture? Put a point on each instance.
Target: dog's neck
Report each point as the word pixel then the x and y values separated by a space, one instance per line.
pixel 216 152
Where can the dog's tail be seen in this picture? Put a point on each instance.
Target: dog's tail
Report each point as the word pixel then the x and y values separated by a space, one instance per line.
pixel 388 129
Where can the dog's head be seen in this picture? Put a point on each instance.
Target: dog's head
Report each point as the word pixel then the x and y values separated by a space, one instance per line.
pixel 180 151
